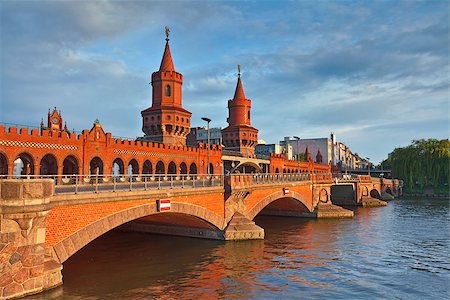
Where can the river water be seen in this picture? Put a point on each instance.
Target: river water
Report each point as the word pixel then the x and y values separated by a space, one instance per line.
pixel 401 251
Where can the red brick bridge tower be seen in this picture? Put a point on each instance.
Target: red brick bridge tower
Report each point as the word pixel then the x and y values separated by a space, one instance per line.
pixel 240 136
pixel 166 121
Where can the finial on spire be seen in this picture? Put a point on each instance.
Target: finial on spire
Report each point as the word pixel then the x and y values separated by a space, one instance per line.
pixel 239 70
pixel 167 33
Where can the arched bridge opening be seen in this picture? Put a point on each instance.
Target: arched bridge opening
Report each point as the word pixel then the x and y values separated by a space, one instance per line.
pixel 170 223
pixel 343 194
pixel 183 219
pixel 279 204
pixel 285 207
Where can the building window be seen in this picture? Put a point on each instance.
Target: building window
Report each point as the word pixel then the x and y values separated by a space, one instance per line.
pixel 248 113
pixel 167 90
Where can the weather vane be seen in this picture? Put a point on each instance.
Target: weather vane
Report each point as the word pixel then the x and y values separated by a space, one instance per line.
pixel 239 70
pixel 167 32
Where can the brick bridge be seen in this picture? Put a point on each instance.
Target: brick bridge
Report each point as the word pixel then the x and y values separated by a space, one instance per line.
pixel 99 183
pixel 43 225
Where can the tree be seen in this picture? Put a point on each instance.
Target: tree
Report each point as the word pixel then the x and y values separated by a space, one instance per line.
pixel 423 163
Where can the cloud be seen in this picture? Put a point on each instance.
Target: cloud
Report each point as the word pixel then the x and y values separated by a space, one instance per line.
pixel 374 73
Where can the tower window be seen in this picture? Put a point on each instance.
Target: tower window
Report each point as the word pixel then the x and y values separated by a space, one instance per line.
pixel 248 115
pixel 167 92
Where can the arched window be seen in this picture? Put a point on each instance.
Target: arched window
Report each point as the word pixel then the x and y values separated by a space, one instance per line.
pixel 167 91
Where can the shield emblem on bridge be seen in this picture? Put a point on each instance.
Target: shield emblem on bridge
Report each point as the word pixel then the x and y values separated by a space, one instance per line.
pixel 163 205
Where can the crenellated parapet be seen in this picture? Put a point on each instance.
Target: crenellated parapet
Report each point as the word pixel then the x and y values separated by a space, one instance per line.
pixel 280 164
pixel 95 151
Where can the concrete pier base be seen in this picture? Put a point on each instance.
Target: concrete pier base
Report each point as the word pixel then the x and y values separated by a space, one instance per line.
pixel 328 210
pixel 372 202
pixel 242 228
pixel 387 197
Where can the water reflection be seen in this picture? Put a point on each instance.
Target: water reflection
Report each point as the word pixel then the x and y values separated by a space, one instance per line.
pixel 397 251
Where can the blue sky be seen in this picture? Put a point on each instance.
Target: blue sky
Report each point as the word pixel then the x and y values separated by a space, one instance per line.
pixel 376 73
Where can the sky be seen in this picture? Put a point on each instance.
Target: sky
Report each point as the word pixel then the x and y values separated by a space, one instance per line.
pixel 376 73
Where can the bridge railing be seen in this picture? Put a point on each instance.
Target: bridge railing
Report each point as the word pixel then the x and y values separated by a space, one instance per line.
pixel 322 178
pixel 235 180
pixel 74 184
pixel 341 177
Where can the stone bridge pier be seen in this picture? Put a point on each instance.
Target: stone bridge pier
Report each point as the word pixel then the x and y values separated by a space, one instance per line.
pixel 26 266
pixel 360 191
pixel 244 199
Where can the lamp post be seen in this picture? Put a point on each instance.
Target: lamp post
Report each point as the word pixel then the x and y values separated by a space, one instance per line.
pixel 207 120
pixel 298 153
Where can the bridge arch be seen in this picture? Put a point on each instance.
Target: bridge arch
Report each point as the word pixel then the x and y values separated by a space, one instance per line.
pixel 48 165
pixel 193 169
pixel 96 166
pixel 147 167
pixel 183 168
pixel 133 166
pixel 74 242
pixel 118 167
pixel 3 164
pixel 24 164
pixel 172 168
pixel 70 165
pixel 296 197
pixel 160 168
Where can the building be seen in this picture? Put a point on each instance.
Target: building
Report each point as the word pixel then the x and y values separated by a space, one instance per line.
pixel 200 135
pixel 239 136
pixel 166 121
pixel 268 149
pixel 320 149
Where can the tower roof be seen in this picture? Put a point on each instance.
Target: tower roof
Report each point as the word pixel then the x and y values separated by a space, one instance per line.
pixel 167 62
pixel 239 93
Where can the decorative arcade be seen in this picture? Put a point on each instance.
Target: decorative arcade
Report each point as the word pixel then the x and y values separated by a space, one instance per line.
pixel 60 190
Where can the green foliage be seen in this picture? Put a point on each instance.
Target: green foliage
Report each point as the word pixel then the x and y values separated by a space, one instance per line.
pixel 301 157
pixel 424 163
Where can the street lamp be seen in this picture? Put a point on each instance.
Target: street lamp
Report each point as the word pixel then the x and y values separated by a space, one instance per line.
pixel 207 120
pixel 298 153
pixel 368 165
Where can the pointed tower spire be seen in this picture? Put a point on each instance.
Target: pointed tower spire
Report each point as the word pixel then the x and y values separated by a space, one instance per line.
pixel 166 121
pixel 167 62
pixel 307 154
pixel 239 92
pixel 239 124
pixel 319 157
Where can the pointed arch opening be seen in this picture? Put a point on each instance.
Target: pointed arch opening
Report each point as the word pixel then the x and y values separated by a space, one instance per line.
pixel 48 165
pixel 147 167
pixel 70 165
pixel 3 164
pixel 160 169
pixel 172 168
pixel 118 167
pixel 23 165
pixel 183 168
pixel 96 166
pixel 167 91
pixel 193 169
pixel 133 167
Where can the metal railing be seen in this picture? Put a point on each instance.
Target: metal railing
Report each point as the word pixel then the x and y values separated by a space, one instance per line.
pixel 270 178
pixel 74 184
pixel 341 177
